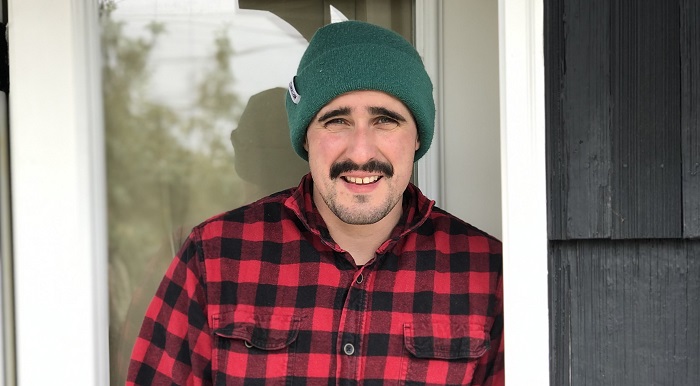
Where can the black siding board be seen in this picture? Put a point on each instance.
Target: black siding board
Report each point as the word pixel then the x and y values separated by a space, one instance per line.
pixel 579 119
pixel 632 309
pixel 559 318
pixel 586 124
pixel 689 329
pixel 554 137
pixel 690 115
pixel 646 150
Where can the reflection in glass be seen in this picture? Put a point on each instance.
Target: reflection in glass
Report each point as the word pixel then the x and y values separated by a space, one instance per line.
pixel 195 120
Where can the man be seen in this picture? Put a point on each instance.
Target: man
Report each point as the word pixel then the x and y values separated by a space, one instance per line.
pixel 353 277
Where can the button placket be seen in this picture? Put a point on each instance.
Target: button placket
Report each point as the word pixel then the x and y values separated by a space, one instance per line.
pixel 349 340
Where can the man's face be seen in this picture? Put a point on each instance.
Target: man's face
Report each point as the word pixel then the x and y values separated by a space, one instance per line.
pixel 361 147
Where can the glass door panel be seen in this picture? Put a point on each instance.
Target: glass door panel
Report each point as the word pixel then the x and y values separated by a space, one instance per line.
pixel 195 124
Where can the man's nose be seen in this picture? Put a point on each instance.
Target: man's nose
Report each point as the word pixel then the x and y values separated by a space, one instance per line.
pixel 362 145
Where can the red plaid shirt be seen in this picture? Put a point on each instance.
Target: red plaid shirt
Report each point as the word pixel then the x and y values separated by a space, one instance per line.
pixel 263 295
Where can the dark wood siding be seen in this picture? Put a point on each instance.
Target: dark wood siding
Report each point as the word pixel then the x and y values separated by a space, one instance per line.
pixel 646 144
pixel 625 313
pixel 554 134
pixel 622 119
pixel 622 83
pixel 690 115
pixel 582 129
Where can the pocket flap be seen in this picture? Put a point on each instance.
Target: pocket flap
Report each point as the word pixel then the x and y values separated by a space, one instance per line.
pixel 266 332
pixel 446 340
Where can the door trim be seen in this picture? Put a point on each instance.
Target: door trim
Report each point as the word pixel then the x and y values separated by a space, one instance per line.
pixel 523 174
pixel 59 222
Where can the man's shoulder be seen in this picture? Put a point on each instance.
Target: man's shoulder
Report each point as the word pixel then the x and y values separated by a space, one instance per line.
pixel 444 222
pixel 265 209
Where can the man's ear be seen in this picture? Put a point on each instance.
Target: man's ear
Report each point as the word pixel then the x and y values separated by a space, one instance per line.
pixel 306 144
pixel 417 143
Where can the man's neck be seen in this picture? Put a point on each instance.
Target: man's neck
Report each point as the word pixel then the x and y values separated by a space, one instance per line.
pixel 361 241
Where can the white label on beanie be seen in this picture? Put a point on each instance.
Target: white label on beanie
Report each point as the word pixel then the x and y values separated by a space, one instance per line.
pixel 293 93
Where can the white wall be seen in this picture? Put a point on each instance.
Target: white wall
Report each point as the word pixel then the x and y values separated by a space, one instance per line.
pixel 471 127
pixel 58 197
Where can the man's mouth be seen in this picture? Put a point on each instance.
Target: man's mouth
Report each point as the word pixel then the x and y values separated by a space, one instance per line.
pixel 361 181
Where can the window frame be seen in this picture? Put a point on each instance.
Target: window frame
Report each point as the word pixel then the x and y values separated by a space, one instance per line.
pixel 59 239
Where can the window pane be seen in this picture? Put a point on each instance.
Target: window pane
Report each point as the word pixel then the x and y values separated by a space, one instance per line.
pixel 195 120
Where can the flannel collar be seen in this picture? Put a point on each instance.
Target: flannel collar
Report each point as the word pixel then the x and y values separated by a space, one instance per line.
pixel 416 210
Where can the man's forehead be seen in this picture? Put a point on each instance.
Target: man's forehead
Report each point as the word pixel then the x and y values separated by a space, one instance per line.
pixel 370 101
pixel 346 109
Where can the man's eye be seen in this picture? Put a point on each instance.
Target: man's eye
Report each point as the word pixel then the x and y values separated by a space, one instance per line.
pixel 335 121
pixel 386 122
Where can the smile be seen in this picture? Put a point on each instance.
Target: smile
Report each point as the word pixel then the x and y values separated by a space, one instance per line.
pixel 361 181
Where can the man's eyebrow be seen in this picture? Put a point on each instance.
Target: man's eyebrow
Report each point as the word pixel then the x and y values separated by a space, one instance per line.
pixel 334 113
pixel 389 113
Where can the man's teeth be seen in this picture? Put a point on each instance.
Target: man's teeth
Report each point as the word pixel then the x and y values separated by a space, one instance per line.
pixel 362 181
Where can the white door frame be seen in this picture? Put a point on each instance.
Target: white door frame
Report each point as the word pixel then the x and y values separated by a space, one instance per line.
pixel 523 180
pixel 59 191
pixel 523 176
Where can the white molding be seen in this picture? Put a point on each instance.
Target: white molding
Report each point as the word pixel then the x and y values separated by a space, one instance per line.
pixel 58 191
pixel 524 192
pixel 429 42
pixel 88 32
pixel 7 332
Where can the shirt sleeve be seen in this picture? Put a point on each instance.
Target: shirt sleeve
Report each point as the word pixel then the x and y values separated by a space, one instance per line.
pixel 174 343
pixel 490 369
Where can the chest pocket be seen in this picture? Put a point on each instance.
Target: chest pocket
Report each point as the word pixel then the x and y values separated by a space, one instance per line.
pixel 442 353
pixel 253 347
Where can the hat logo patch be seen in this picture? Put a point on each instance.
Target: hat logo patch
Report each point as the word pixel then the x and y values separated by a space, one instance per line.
pixel 293 92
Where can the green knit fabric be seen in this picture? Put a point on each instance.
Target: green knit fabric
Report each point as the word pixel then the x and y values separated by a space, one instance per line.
pixel 353 55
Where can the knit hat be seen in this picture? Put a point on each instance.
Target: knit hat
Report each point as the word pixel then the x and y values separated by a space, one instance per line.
pixel 353 55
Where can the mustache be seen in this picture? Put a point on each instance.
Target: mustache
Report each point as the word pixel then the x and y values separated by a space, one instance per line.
pixel 372 166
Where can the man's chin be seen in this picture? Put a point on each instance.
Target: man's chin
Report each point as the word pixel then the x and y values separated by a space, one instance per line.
pixel 362 213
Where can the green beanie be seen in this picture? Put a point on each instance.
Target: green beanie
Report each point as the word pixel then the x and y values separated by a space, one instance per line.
pixel 353 55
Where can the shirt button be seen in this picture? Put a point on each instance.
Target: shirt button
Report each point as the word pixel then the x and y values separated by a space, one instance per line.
pixel 360 279
pixel 348 349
